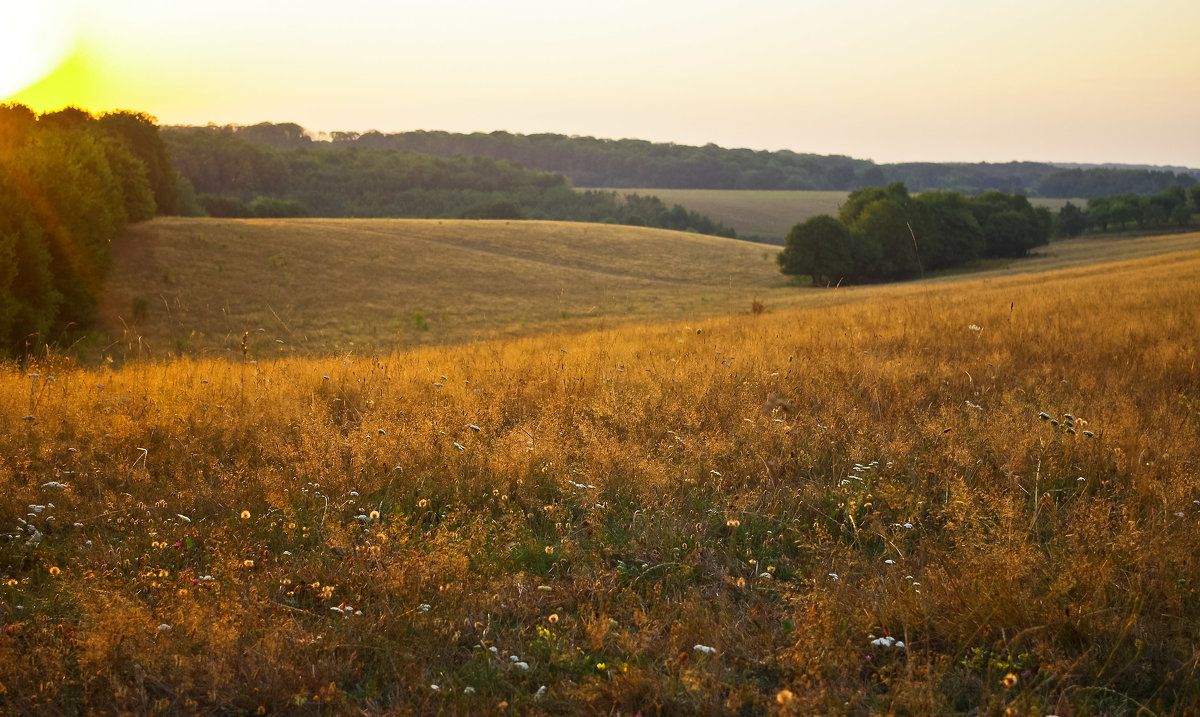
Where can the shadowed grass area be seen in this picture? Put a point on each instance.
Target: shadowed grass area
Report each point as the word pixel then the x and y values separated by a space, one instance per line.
pixel 744 514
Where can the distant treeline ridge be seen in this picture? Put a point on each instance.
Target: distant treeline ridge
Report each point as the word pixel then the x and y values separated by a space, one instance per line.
pixel 236 177
pixel 591 162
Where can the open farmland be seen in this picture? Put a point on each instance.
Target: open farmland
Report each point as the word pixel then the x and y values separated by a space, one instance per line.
pixel 771 214
pixel 852 509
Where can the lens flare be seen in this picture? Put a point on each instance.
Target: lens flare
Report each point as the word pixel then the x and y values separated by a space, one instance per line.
pixel 35 37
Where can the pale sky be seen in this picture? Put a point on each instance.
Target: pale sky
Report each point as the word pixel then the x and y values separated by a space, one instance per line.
pixel 933 80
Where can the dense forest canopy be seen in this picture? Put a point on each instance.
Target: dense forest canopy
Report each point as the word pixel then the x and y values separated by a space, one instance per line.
pixel 591 162
pixel 882 234
pixel 69 184
pixel 237 177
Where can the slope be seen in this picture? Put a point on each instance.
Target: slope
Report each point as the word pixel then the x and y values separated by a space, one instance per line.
pixel 330 285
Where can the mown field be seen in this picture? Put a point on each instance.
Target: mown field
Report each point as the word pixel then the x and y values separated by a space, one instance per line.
pixel 369 285
pixel 771 214
pixel 979 497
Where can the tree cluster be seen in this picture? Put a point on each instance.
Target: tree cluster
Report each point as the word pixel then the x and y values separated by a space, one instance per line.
pixel 883 234
pixel 592 162
pixel 1172 206
pixel 237 177
pixel 69 184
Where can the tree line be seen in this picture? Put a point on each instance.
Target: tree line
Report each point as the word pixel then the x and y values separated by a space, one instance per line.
pixel 69 184
pixel 234 176
pixel 1115 212
pixel 885 233
pixel 592 162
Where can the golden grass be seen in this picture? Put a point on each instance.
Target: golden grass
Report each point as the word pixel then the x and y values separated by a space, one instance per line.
pixel 782 490
pixel 771 214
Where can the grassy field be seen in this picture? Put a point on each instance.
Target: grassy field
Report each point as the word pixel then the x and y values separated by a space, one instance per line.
pixel 772 214
pixel 328 285
pixel 858 509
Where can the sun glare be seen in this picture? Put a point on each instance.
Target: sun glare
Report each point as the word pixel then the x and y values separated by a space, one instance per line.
pixel 34 39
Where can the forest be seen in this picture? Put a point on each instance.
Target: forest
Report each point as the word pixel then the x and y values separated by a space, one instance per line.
pixel 69 184
pixel 235 177
pixel 592 162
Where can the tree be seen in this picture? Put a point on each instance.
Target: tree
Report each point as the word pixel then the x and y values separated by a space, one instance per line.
pixel 1010 224
pixel 139 132
pixel 825 249
pixel 1099 212
pixel 888 217
pixel 947 232
pixel 1071 220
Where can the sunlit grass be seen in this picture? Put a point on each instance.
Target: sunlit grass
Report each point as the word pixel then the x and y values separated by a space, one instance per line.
pixel 852 509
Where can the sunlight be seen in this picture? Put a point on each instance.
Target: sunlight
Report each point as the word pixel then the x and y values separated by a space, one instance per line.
pixel 34 39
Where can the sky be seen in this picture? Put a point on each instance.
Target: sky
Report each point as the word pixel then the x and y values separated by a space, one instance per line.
pixel 924 80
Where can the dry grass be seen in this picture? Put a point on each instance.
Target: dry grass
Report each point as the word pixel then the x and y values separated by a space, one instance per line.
pixel 330 285
pixel 771 214
pixel 784 489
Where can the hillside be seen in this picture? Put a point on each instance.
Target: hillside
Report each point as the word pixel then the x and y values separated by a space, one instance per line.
pixel 329 285
pixel 974 498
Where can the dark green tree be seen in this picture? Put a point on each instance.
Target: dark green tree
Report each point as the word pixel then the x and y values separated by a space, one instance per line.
pixel 947 232
pixel 1011 226
pixel 825 249
pixel 139 132
pixel 1071 220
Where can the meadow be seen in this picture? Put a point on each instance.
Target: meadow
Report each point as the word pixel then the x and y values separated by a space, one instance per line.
pixel 979 496
pixel 771 214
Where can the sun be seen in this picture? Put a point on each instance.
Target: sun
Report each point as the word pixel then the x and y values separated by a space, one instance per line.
pixel 35 37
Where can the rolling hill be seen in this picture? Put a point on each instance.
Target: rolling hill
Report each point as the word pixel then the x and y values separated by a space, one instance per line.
pixel 330 285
